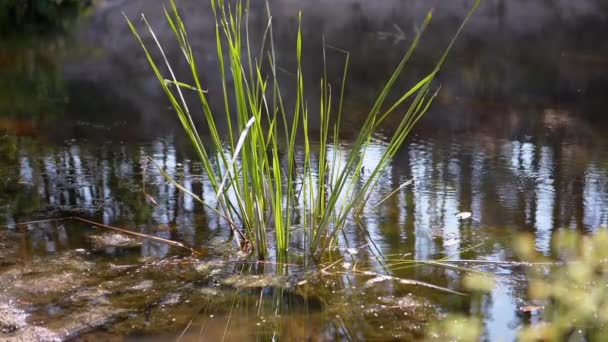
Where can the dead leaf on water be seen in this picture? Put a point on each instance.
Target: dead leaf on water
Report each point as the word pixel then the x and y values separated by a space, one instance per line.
pixel 150 199
pixel 352 251
pixel 464 215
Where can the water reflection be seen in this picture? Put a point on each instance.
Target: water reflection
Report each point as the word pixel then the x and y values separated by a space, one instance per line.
pixel 530 184
pixel 526 183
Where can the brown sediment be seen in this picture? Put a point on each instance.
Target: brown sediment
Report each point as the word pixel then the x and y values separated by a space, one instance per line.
pixel 18 127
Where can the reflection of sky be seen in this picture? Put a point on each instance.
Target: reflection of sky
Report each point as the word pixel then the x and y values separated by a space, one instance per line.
pixel 596 197
pixel 476 183
pixel 545 200
pixel 502 314
pixel 421 174
pixel 515 185
pixel 25 170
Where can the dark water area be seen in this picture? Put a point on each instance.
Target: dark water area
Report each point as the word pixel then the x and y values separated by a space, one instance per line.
pixel 515 137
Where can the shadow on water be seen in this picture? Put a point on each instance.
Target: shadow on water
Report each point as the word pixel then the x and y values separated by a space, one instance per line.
pixel 516 138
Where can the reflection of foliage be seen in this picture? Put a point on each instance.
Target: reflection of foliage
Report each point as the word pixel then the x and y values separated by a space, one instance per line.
pixel 8 148
pixel 8 157
pixel 30 52
pixel 574 293
pixel 15 197
pixel 38 15
pixel 31 80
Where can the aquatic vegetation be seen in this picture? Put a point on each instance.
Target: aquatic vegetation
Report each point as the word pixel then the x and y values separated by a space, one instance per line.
pixel 455 327
pixel 460 327
pixel 572 294
pixel 113 240
pixel 566 291
pixel 260 182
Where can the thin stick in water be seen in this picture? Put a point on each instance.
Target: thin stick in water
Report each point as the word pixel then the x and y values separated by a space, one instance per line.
pixel 140 235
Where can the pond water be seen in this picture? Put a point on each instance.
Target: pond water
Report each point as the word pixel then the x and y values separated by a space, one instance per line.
pixel 516 138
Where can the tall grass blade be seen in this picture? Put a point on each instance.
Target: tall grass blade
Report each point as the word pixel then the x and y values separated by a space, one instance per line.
pixel 269 178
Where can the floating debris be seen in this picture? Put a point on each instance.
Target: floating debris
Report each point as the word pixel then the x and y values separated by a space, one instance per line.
pixel 378 279
pixel 47 283
pixel 32 333
pixel 11 318
pixel 211 268
pixel 14 327
pixel 171 299
pixel 352 251
pixel 107 240
pixel 145 285
pixel 465 215
pixel 254 281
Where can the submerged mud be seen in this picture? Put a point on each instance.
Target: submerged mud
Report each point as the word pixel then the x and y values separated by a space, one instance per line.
pixel 97 294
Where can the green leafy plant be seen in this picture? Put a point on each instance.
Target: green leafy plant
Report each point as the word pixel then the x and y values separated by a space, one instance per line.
pixel 455 327
pixel 572 291
pixel 259 181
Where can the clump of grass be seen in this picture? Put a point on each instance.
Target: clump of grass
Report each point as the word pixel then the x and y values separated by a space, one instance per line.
pixel 259 182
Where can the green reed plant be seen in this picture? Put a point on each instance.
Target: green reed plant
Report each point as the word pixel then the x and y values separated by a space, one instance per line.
pixel 259 182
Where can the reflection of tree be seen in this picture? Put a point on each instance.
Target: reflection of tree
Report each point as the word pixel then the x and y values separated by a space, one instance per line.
pixel 410 205
pixel 18 16
pixel 500 58
pixel 578 198
pixel 465 193
pixel 557 180
pixel 106 181
pixel 101 182
pixel 31 82
pixel 14 192
pixel 539 178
